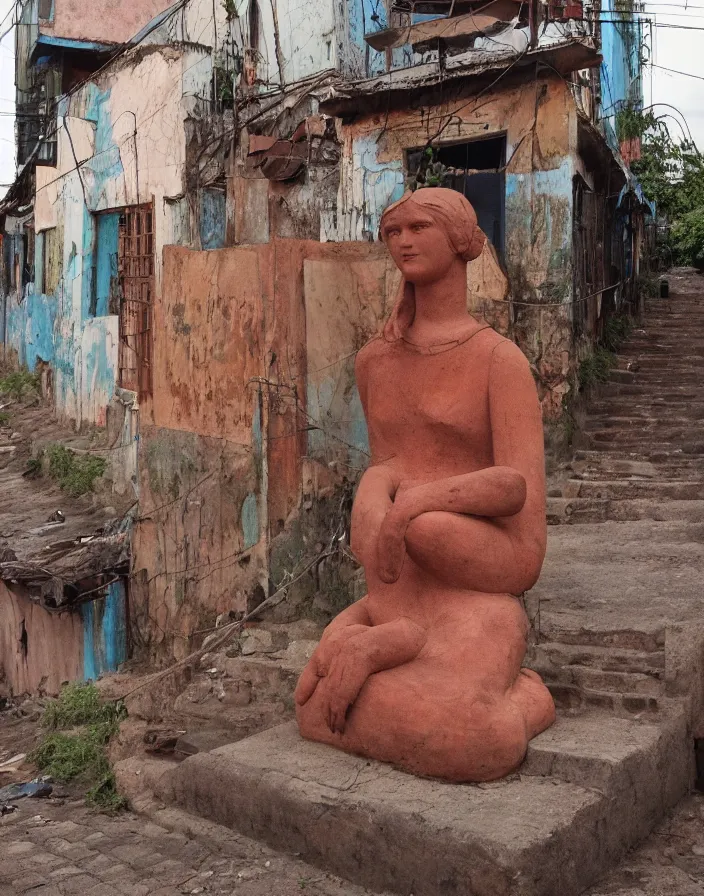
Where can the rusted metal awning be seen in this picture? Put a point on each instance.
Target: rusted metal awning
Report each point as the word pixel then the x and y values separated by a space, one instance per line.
pixel 399 85
pixel 455 31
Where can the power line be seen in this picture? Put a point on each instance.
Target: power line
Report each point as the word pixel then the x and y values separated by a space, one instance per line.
pixel 676 71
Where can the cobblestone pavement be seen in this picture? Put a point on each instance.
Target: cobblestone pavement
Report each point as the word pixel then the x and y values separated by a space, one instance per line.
pixel 61 848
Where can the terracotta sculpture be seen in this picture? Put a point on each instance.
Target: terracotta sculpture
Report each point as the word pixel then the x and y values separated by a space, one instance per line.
pixel 449 522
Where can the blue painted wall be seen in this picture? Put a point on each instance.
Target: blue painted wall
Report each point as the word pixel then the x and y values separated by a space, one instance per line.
pixel 106 261
pixel 212 219
pixel 621 69
pixel 30 327
pixel 105 632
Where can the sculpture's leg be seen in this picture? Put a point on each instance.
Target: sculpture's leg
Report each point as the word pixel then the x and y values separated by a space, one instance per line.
pixel 463 710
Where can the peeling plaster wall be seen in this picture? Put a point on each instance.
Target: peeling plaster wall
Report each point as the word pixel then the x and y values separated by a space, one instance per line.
pixel 307 38
pixel 621 69
pixel 54 646
pixel 41 650
pixel 109 21
pixel 537 119
pixel 201 539
pixel 244 457
pixel 104 632
pixel 118 145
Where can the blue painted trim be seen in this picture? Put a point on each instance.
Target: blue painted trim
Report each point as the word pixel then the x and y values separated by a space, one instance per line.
pixel 65 43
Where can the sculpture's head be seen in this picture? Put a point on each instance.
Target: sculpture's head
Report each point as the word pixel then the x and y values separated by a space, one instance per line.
pixel 426 232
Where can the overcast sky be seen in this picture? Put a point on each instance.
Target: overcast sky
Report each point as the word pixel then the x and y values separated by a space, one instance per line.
pixel 673 48
pixel 7 99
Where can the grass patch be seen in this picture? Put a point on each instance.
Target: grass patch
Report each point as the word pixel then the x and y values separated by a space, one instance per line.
pixel 80 704
pixel 19 384
pixel 4 418
pixel 75 473
pixel 34 467
pixel 80 754
pixel 595 368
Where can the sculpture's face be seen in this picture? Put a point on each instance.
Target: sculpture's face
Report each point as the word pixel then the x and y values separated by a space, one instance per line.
pixel 417 244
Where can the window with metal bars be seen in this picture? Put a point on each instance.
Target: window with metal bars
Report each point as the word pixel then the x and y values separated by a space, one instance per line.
pixel 135 268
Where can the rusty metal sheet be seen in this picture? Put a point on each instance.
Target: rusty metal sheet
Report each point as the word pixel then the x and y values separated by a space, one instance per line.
pixel 455 31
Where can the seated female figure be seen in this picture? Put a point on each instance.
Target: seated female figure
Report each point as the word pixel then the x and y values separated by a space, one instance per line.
pixel 449 522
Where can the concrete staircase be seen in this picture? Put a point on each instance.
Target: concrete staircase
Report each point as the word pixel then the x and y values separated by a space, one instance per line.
pixel 618 637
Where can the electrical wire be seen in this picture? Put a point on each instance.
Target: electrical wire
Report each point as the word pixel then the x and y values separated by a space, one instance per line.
pixel 674 71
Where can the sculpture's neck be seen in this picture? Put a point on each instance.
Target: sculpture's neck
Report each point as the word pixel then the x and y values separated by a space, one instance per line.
pixel 441 308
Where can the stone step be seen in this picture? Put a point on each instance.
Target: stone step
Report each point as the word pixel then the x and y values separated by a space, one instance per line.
pixel 628 489
pixel 670 391
pixel 674 456
pixel 607 472
pixel 591 510
pixel 597 657
pixel 663 440
pixel 577 699
pixel 596 681
pixel 656 362
pixel 626 416
pixel 551 830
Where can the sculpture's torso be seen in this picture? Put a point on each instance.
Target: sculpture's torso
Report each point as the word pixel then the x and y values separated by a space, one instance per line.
pixel 428 414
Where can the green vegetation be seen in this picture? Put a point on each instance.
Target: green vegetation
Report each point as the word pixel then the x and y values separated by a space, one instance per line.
pixel 4 418
pixel 687 238
pixel 617 329
pixel 19 384
pixel 671 171
pixel 34 467
pixel 230 7
pixel 80 704
pixel 79 726
pixel 75 473
pixel 225 85
pixel 430 173
pixel 595 368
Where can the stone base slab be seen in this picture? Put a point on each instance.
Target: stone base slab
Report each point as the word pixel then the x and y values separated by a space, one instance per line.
pixel 591 787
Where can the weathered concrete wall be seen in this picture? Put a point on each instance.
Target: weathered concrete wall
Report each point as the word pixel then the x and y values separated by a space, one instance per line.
pixel 109 21
pixel 237 439
pixel 537 119
pixel 118 145
pixel 38 650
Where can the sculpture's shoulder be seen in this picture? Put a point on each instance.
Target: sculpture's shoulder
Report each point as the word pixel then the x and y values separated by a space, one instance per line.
pixel 368 354
pixel 507 355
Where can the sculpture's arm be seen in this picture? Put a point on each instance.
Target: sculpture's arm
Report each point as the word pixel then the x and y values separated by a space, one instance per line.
pixel 518 438
pixel 493 492
pixel 516 483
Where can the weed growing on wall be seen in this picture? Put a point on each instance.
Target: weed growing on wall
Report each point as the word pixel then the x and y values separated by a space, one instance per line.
pixel 617 329
pixel 79 727
pixel 595 368
pixel 75 473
